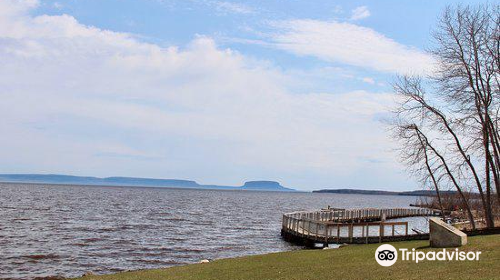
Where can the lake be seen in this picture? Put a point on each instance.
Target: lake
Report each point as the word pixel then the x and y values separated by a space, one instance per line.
pixel 49 230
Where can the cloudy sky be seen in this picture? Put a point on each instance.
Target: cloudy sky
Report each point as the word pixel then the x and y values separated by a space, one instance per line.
pixel 215 91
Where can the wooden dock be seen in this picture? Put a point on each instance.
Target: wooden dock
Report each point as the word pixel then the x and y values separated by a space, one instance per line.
pixel 353 226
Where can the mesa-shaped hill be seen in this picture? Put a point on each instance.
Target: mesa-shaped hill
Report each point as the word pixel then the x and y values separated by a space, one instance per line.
pixel 135 182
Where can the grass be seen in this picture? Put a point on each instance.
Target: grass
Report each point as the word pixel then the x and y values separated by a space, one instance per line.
pixel 349 262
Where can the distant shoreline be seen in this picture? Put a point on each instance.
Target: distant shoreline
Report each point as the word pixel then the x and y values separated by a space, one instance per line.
pixel 57 179
pixel 207 188
pixel 54 179
pixel 332 191
pixel 144 187
pixel 110 186
pixel 380 192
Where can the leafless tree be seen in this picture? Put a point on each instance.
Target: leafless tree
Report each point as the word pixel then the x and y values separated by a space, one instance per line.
pixel 448 122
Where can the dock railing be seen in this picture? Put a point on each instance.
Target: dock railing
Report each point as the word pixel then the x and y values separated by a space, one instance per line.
pixel 350 226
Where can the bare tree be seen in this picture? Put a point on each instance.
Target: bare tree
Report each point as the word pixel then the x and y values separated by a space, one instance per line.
pixel 457 107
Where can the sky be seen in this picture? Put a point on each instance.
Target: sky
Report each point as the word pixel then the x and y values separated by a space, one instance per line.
pixel 220 92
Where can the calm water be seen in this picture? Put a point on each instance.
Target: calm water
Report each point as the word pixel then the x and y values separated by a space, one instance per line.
pixel 48 230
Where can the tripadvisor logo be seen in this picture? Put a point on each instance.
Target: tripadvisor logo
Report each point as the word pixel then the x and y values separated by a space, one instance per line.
pixel 387 255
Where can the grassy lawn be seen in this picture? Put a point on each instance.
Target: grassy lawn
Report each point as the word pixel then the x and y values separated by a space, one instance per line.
pixel 350 262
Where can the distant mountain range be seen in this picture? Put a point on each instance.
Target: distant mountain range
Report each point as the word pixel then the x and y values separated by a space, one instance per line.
pixel 378 192
pixel 136 182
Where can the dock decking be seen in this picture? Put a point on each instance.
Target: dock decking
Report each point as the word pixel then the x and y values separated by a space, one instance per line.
pixel 350 226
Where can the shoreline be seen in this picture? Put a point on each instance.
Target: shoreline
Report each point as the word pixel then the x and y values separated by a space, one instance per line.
pixel 147 187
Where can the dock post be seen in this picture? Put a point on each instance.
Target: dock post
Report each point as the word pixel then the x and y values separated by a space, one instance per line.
pixel 317 231
pixel 367 232
pixel 326 234
pixel 338 233
pixel 351 227
pixel 381 232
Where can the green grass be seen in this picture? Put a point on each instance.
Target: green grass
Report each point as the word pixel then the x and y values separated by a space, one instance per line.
pixel 349 262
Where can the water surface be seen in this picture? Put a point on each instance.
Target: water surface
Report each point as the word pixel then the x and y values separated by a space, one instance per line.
pixel 48 230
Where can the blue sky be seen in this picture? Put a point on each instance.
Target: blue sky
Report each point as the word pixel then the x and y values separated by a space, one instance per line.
pixel 215 91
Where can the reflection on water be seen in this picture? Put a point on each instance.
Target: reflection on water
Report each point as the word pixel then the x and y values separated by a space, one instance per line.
pixel 48 230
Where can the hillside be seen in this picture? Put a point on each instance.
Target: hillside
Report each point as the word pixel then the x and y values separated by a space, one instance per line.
pixel 136 182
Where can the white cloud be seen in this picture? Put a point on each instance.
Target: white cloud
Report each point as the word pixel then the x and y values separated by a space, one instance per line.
pixel 73 94
pixel 57 5
pixel 360 12
pixel 349 44
pixel 229 7
pixel 368 80
pixel 338 9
